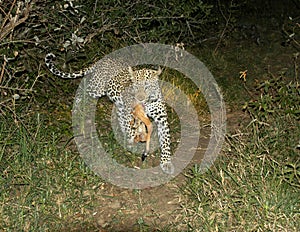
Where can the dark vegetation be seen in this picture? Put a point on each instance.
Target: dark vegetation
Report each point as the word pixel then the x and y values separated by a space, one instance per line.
pixel 254 184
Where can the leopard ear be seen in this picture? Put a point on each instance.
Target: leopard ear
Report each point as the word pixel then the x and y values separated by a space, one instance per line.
pixel 130 72
pixel 158 71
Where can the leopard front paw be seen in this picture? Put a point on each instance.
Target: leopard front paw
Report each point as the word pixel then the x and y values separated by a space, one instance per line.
pixel 167 167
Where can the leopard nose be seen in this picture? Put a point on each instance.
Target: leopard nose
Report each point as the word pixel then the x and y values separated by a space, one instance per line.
pixel 141 96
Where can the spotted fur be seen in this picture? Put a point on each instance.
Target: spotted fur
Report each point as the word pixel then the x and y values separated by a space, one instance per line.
pixel 126 88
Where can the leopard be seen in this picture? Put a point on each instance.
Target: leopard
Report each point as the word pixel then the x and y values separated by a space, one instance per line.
pixel 127 87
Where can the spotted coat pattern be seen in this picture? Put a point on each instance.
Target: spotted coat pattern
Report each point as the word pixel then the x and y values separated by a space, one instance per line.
pixel 127 87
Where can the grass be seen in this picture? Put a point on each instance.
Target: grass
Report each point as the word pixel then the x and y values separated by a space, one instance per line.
pixel 235 196
pixel 255 185
pixel 43 182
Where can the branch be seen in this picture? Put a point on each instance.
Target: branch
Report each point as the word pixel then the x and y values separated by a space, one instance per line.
pixel 20 17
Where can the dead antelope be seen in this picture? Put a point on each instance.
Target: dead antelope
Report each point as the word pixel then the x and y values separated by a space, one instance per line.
pixel 143 127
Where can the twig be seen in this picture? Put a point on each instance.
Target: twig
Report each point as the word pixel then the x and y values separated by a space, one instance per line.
pixel 31 88
pixel 247 90
pixel 2 71
pixel 7 15
pixel 225 28
pixel 11 88
pixel 98 31
pixel 6 29
pixel 189 27
pixel 18 41
pixel 161 17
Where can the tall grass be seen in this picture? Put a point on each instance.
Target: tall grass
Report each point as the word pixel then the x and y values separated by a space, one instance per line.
pixel 43 183
pixel 255 185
